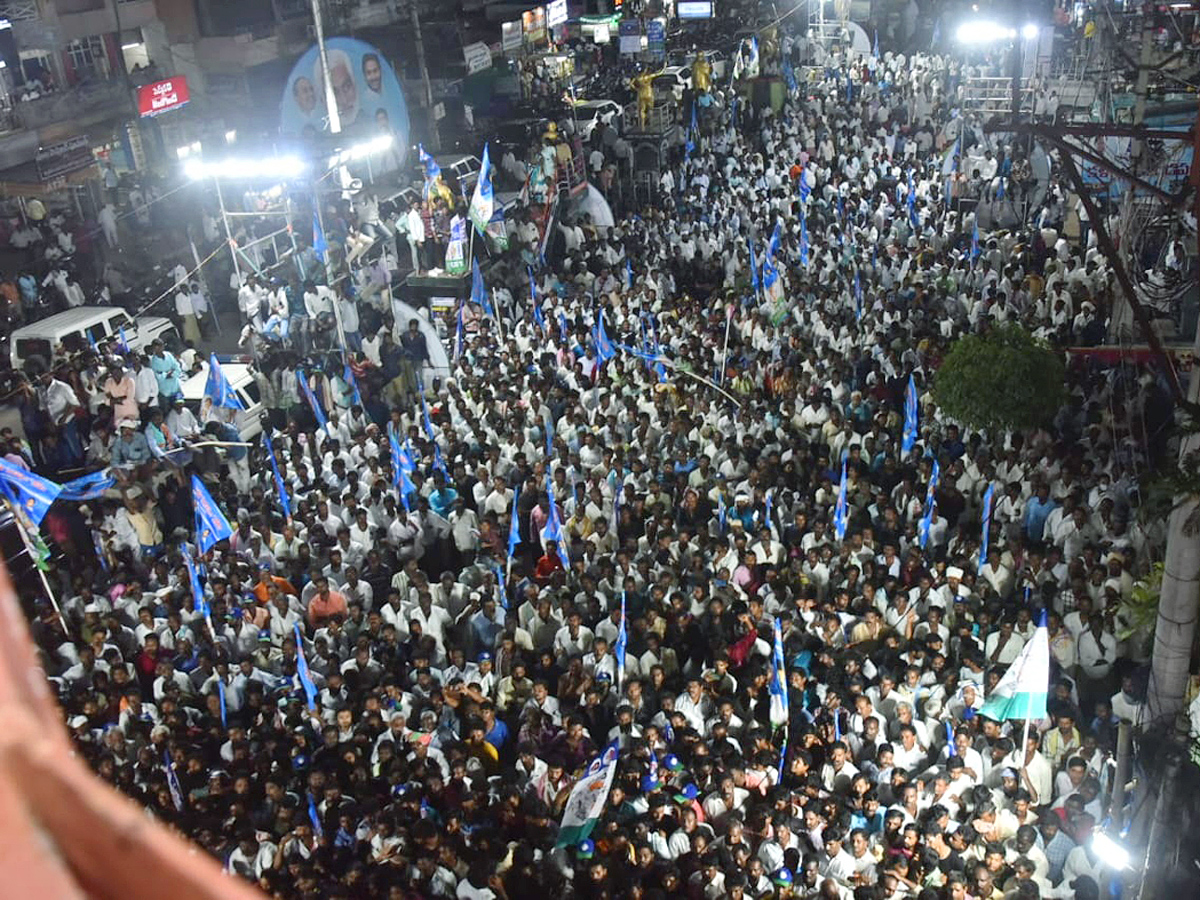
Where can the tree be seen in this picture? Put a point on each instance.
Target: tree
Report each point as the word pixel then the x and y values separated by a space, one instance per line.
pixel 999 380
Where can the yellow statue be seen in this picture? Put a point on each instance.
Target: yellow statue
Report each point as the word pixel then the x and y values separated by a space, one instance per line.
pixel 701 74
pixel 643 86
pixel 439 192
pixel 551 134
pixel 768 44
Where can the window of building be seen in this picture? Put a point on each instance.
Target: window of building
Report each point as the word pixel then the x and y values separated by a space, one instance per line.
pixel 88 58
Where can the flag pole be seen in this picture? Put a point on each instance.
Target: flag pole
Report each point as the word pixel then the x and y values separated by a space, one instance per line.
pixel 496 310
pixel 33 555
pixel 725 352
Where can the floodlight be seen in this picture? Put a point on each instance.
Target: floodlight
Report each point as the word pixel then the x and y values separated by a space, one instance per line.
pixel 983 31
pixel 1109 852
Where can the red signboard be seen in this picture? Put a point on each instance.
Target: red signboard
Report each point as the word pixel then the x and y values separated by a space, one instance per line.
pixel 163 96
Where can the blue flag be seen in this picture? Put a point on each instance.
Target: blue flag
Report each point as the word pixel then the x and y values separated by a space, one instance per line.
pixel 754 282
pixel 620 644
pixel 307 392
pixel 805 187
pixel 123 342
pixel 858 304
pixel 426 421
pixel 913 219
pixel 479 294
pixel 909 439
pixel 406 489
pixel 774 243
pixel 986 525
pixel 320 245
pixel 458 333
pixel 804 240
pixel 538 318
pixel 302 672
pixel 211 524
pixel 348 377
pixel 930 505
pixel 397 467
pixel 218 388
pixel 315 819
pixel 173 781
pixel 87 487
pixel 284 503
pixel 553 530
pixel 777 690
pixel 432 169
pixel 437 461
pixel 514 525
pixel 199 601
pixel 604 347
pixel 221 700
pixel 840 513
pixel 31 494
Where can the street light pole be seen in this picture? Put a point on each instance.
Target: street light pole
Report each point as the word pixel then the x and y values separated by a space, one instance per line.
pixel 335 121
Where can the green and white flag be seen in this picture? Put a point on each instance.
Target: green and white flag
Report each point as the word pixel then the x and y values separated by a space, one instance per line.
pixel 1021 692
pixel 588 797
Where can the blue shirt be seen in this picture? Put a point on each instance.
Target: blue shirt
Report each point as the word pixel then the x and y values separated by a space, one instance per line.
pixel 167 371
pixel 498 736
pixel 1036 514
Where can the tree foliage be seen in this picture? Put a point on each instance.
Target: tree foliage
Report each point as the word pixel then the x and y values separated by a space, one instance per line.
pixel 1002 379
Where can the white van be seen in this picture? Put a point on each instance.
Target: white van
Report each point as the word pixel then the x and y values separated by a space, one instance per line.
pixel 74 330
pixel 249 420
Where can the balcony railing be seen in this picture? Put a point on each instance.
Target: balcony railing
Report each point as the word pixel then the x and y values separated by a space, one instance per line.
pixel 84 100
pixel 18 10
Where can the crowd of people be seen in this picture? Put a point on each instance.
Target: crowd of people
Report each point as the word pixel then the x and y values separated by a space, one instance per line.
pixel 464 662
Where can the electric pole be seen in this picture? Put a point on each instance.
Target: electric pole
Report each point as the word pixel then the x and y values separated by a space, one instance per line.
pixel 414 13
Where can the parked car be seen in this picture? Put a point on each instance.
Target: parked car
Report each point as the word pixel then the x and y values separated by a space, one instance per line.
pixel 590 113
pixel 674 80
pixel 248 420
pixel 74 330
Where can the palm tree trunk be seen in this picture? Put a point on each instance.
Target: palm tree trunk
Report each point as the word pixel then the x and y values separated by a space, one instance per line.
pixel 1179 603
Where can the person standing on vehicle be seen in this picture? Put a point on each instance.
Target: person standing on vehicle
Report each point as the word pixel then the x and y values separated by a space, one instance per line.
pixel 187 314
pixel 167 371
pixel 416 238
pixel 62 406
pixel 237 458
